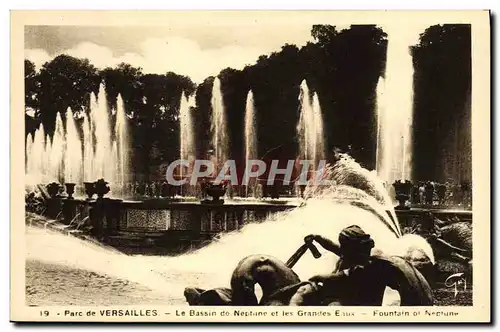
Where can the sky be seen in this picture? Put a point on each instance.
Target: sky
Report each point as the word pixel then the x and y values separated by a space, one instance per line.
pixel 186 50
pixel 195 50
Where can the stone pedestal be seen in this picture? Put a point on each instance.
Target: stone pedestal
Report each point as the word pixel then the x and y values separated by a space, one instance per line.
pixel 68 210
pixel 113 212
pixel 97 217
pixel 105 217
pixel 54 207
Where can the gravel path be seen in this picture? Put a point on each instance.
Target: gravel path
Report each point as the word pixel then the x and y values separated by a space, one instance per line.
pixel 54 284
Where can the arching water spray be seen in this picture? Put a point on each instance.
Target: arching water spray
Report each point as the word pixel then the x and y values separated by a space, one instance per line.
pixel 55 248
pixel 29 149
pixel 279 236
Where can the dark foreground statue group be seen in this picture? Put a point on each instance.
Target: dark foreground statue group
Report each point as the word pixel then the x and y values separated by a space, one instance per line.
pixel 358 279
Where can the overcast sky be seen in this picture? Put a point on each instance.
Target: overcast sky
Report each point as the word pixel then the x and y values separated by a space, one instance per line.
pixel 188 50
pixel 195 50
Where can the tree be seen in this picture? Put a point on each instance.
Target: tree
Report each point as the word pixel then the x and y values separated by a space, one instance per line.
pixel 65 82
pixel 202 116
pixel 31 86
pixel 126 81
pixel 31 97
pixel 442 113
pixel 323 34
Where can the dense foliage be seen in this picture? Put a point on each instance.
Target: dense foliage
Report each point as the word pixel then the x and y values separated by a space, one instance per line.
pixel 343 67
pixel 442 106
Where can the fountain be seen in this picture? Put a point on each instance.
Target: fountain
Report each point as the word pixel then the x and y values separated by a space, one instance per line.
pixel 100 121
pixel 101 151
pixel 220 142
pixel 88 149
pixel 187 139
pixel 101 188
pixel 250 140
pixel 71 157
pixel 57 151
pixel 122 143
pixel 310 127
pixel 395 112
pixel 170 275
pixel 53 189
pixel 114 162
pixel 89 189
pixel 29 147
pixel 35 155
pixel 73 153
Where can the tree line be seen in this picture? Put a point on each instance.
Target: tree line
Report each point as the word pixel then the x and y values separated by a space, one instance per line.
pixel 341 66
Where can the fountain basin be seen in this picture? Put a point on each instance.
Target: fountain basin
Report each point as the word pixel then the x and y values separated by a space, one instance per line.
pixel 163 215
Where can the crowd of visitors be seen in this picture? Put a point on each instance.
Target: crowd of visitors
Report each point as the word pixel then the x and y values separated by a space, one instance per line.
pixel 425 193
pixel 435 193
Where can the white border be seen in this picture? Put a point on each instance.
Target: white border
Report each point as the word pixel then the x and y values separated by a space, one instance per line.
pixel 217 4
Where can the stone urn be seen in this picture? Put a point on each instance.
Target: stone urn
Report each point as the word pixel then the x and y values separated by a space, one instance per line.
pixel 216 191
pixel 70 189
pixel 89 189
pixel 402 198
pixel 101 188
pixel 53 189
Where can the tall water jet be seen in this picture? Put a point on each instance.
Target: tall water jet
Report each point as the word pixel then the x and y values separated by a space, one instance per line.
pixel 395 111
pixel 88 150
pixel 188 147
pixel 122 140
pixel 100 121
pixel 57 152
pixel 310 127
pixel 38 168
pixel 73 151
pixel 30 169
pixel 115 181
pixel 305 115
pixel 99 151
pixel 29 150
pixel 250 138
pixel 47 152
pixel 219 128
pixel 36 156
pixel 318 129
pixel 38 160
